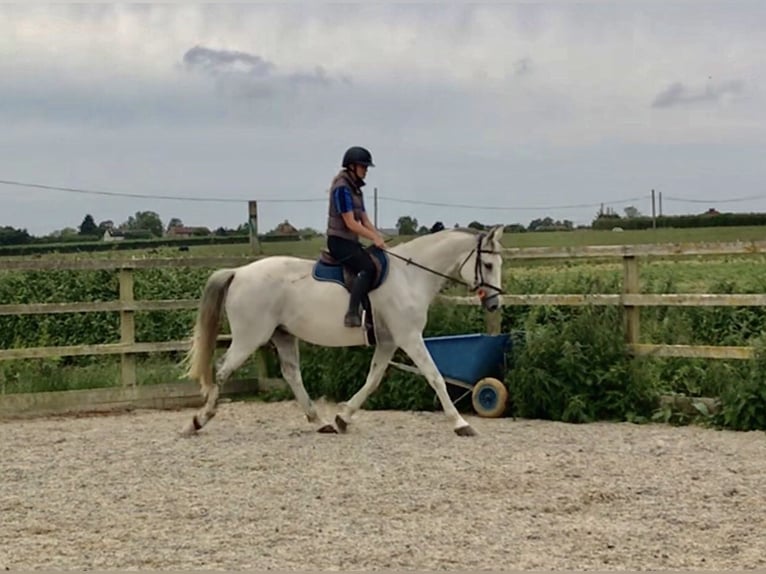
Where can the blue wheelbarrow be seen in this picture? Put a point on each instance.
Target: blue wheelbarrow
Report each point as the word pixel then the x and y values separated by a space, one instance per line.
pixel 474 362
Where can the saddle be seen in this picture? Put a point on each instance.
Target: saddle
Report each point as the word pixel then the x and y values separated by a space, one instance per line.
pixel 327 268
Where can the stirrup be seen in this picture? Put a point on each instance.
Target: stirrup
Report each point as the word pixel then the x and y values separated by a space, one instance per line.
pixel 352 320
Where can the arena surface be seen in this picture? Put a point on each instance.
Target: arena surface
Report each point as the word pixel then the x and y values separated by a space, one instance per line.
pixel 258 488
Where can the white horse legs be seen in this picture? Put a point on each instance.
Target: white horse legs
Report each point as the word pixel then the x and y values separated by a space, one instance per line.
pixel 289 359
pixel 418 352
pixel 380 359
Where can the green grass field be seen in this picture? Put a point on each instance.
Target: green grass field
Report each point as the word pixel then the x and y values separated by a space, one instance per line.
pixel 580 237
pixel 542 239
pixel 591 237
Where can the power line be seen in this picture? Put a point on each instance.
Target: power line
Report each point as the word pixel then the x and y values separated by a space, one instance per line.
pixel 732 200
pixel 515 207
pixel 155 196
pixel 314 199
pixel 384 197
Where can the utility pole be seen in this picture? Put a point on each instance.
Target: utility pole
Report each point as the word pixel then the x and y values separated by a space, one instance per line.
pixel 660 204
pixel 375 209
pixel 654 213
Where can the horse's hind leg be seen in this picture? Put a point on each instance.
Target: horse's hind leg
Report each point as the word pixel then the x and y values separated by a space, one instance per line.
pixel 238 352
pixel 289 359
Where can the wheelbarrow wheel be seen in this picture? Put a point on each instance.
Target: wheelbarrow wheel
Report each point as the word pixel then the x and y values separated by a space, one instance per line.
pixel 489 398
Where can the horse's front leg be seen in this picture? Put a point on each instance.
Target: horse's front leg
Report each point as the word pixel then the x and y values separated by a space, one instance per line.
pixel 418 352
pixel 380 358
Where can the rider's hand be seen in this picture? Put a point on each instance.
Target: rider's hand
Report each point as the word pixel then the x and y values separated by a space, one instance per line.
pixel 380 242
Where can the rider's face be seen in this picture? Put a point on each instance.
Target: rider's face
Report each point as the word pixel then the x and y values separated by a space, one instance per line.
pixel 360 170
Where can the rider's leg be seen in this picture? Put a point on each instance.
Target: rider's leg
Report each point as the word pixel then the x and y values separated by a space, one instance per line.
pixel 353 255
pixel 360 288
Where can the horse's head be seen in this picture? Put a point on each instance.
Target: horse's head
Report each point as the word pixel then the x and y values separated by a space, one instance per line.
pixel 483 268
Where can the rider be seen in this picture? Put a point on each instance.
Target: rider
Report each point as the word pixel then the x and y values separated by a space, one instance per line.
pixel 347 220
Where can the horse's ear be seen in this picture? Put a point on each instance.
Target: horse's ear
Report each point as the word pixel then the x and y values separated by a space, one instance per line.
pixel 496 233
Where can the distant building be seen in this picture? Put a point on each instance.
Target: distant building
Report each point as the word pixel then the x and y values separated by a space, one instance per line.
pixel 112 234
pixel 285 229
pixel 185 231
pixel 115 234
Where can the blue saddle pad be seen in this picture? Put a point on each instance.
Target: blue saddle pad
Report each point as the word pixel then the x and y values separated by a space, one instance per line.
pixel 323 271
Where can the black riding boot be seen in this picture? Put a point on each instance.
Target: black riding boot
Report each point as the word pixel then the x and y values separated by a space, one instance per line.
pixel 358 291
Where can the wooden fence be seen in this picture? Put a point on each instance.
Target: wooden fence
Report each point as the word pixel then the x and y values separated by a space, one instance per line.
pixel 630 299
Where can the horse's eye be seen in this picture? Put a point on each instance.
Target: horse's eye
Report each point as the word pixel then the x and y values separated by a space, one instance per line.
pixel 488 266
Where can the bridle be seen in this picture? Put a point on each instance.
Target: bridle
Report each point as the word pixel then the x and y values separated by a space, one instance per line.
pixel 478 271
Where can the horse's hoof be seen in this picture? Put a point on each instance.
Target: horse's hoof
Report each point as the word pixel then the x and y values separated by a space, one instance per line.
pixel 340 423
pixel 327 429
pixel 188 431
pixel 465 431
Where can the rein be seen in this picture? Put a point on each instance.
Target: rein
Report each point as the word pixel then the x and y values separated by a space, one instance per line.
pixel 478 270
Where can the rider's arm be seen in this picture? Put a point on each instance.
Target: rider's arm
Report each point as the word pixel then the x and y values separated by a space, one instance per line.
pixel 357 227
pixel 344 205
pixel 369 224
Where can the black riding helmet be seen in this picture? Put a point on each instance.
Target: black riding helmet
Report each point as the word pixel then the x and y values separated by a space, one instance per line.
pixel 357 155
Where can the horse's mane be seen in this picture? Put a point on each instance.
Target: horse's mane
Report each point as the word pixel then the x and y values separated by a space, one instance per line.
pixel 471 230
pixel 428 237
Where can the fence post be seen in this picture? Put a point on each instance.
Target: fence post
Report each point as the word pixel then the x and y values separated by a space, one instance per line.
pixel 630 284
pixel 127 328
pixel 262 370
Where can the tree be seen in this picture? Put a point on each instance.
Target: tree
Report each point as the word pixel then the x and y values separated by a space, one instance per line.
pixel 438 226
pixel 631 211
pixel 308 232
pixel 64 233
pixel 12 236
pixel 476 225
pixel 145 220
pixel 88 226
pixel 407 225
pixel 539 223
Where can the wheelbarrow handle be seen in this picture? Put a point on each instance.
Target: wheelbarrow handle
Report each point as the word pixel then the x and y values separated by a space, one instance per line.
pixel 415 370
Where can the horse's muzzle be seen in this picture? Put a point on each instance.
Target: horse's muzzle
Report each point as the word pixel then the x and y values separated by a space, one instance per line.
pixel 491 302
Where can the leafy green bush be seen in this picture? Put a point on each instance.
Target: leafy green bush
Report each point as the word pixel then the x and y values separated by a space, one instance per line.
pixel 574 367
pixel 744 402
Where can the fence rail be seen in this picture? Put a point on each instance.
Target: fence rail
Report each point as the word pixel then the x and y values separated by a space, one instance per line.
pixel 631 300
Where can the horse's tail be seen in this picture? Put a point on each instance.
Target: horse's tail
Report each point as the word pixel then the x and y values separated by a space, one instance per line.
pixel 198 360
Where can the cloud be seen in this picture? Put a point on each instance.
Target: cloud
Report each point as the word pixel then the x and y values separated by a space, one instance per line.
pixel 678 94
pixel 226 61
pixel 251 76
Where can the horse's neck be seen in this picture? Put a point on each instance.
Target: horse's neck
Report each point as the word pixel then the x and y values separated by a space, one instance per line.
pixel 442 254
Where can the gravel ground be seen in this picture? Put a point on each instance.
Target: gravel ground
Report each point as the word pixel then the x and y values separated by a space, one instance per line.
pixel 258 488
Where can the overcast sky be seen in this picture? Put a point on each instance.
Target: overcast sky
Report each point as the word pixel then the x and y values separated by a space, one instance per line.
pixel 531 107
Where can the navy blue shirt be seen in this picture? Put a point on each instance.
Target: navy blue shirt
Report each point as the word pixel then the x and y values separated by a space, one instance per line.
pixel 341 195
